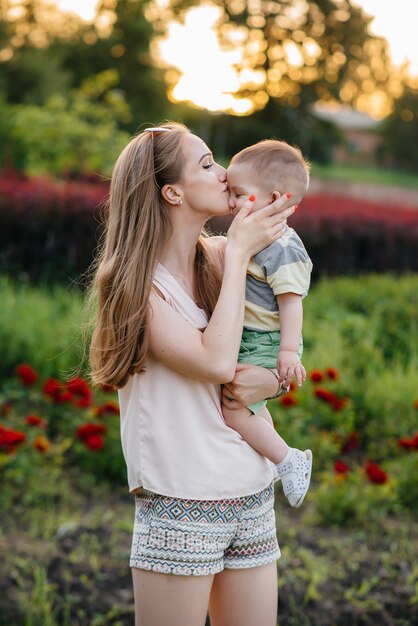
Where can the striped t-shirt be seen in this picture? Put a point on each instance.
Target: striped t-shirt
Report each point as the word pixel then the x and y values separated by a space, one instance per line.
pixel 282 267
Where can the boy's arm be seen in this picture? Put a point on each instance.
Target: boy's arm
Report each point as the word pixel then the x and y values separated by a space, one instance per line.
pixel 291 319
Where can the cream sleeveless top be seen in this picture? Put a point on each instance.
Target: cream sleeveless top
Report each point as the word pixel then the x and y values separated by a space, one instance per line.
pixel 174 438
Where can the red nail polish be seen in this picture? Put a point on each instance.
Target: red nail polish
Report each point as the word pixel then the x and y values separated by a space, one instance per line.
pixel 296 207
pixel 288 195
pixel 252 198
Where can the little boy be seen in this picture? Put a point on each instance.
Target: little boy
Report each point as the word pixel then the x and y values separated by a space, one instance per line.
pixel 278 278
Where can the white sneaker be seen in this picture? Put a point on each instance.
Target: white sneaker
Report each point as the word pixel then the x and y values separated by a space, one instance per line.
pixel 295 473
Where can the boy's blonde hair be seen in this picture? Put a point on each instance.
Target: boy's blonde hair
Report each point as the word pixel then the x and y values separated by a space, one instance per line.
pixel 278 167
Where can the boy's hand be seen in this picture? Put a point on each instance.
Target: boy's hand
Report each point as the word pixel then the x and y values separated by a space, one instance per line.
pixel 289 367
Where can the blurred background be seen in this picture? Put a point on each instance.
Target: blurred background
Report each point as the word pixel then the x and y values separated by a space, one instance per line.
pixel 339 79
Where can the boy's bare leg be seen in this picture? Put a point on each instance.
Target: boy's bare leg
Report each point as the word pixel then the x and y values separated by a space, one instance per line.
pixel 258 431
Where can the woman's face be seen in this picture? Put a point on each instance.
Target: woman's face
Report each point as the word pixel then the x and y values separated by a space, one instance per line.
pixel 204 182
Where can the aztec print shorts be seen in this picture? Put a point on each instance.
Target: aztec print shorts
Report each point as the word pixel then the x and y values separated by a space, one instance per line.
pixel 201 537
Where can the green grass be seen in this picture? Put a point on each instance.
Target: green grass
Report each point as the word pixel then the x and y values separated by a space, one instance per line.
pixel 365 174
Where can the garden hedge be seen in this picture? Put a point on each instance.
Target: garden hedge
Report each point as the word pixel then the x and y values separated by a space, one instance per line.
pixel 49 231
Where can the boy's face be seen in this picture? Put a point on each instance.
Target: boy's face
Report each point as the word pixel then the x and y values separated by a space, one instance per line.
pixel 242 182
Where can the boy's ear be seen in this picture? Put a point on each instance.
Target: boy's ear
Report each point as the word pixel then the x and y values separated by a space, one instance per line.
pixel 171 194
pixel 276 195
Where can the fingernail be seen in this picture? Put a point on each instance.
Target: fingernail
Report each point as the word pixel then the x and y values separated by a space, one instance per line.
pixel 296 207
pixel 252 198
pixel 288 195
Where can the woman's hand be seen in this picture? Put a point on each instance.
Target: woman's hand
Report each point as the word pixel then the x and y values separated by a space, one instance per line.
pixel 250 384
pixel 251 232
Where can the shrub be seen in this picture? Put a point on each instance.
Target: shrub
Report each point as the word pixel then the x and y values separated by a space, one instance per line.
pixel 48 229
pixel 48 423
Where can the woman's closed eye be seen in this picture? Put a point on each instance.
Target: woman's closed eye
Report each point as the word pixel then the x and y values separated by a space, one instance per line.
pixel 206 167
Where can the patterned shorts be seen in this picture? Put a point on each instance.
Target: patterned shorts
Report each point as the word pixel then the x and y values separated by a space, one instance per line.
pixel 201 537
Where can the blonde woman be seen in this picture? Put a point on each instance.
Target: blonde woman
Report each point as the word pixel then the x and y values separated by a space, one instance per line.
pixel 167 335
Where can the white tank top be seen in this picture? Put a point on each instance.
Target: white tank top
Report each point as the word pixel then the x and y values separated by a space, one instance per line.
pixel 174 438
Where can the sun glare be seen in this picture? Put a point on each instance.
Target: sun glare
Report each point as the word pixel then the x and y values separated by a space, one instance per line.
pixel 86 9
pixel 208 78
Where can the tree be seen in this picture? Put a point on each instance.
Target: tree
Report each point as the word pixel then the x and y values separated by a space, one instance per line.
pixel 124 46
pixel 70 135
pixel 400 131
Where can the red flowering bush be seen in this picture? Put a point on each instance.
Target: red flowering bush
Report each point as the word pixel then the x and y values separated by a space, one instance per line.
pixel 59 417
pixel 343 234
pixel 48 229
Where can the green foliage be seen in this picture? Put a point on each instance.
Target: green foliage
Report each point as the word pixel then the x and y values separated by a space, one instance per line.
pixel 41 327
pixel 350 326
pixel 365 174
pixel 400 132
pixel 74 134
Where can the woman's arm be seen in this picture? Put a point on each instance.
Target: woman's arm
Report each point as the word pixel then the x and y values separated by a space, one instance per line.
pixel 251 384
pixel 212 354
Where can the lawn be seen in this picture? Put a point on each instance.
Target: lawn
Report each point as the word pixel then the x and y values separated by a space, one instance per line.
pixel 365 174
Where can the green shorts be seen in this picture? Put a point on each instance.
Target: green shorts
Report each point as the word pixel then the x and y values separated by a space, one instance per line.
pixel 261 348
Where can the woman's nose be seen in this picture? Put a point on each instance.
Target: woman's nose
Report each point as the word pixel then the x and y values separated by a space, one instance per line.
pixel 231 202
pixel 221 174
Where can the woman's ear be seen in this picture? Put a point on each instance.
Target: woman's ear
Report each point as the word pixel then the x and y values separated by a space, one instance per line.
pixel 172 194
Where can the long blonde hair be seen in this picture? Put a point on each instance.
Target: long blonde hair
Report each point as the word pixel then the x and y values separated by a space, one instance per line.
pixel 137 226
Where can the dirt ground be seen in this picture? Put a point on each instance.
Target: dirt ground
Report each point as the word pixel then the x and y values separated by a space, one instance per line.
pixel 79 575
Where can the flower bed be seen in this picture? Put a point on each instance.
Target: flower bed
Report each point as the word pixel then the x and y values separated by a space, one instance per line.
pixel 49 230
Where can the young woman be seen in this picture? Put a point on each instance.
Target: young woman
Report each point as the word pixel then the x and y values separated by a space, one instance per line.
pixel 167 334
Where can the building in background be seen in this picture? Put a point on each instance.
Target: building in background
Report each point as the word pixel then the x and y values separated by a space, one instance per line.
pixel 360 131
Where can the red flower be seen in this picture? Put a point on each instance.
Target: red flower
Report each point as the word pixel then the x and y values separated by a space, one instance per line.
pixel 415 404
pixel 288 400
pixel 94 442
pixel 330 398
pixel 63 397
pixel 316 376
pixel 350 442
pixel 83 403
pixel 409 443
pixel 107 407
pixel 341 468
pixel 42 443
pixel 79 387
pixel 89 430
pixel 332 373
pixel 52 387
pixel 9 439
pixel 27 374
pixel 57 391
pixel 375 473
pixel 35 420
